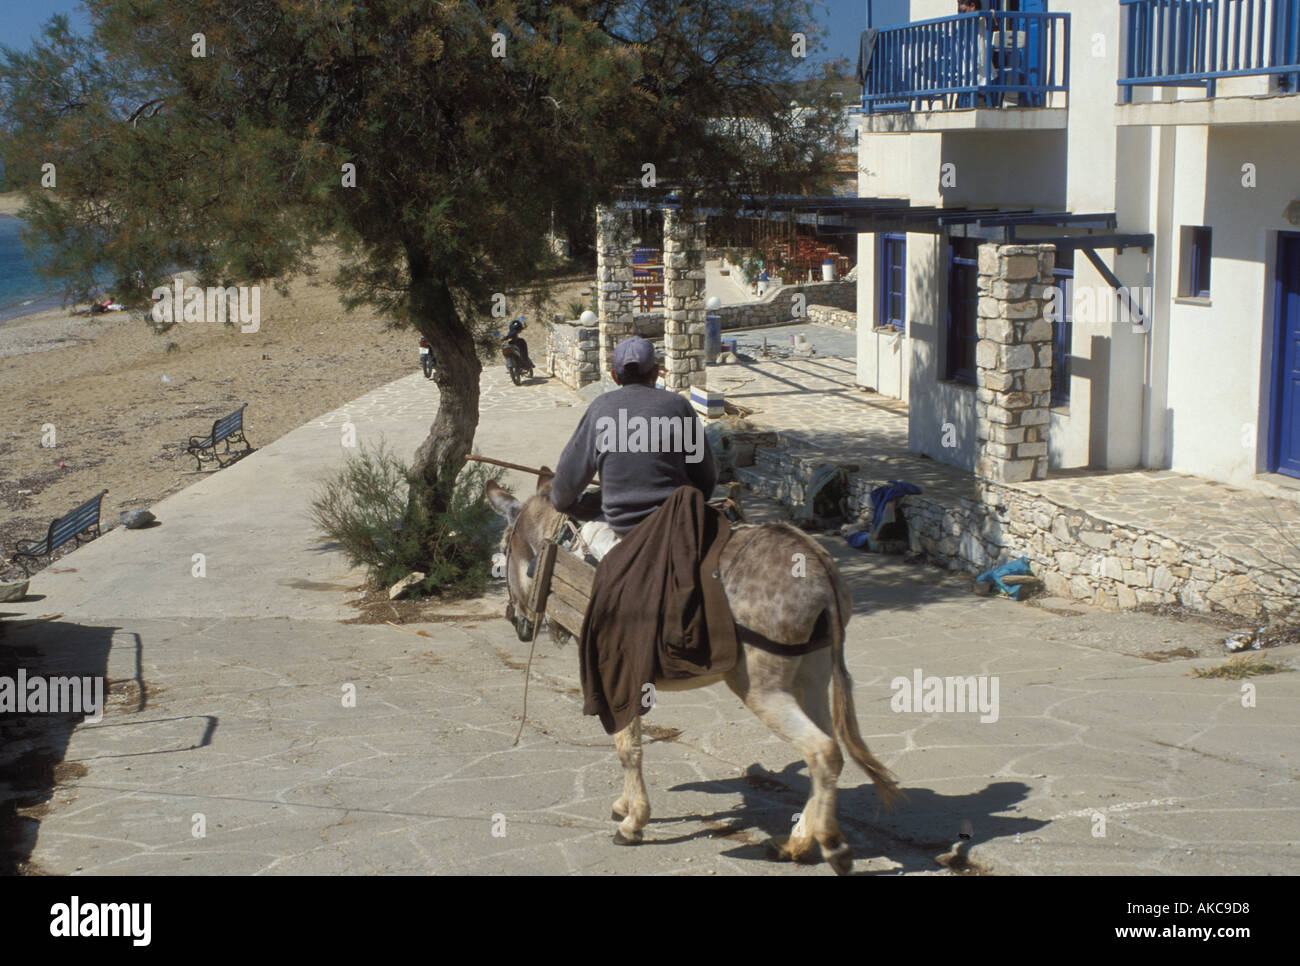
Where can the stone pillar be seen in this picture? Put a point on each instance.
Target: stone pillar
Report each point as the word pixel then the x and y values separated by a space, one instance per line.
pixel 1013 362
pixel 614 304
pixel 683 299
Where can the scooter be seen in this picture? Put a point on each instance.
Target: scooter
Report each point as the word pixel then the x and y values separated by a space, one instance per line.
pixel 426 358
pixel 515 351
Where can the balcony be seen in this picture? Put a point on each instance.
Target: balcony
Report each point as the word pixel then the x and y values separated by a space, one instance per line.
pixel 1239 49
pixel 977 70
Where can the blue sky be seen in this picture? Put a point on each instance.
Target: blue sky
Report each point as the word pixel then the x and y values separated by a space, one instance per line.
pixel 845 19
pixel 21 20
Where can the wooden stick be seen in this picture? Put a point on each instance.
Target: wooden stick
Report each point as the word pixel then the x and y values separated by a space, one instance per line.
pixel 509 466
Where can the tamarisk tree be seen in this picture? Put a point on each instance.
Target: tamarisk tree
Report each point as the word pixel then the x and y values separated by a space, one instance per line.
pixel 431 141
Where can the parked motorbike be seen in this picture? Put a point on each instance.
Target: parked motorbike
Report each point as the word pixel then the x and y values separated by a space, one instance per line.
pixel 426 358
pixel 515 351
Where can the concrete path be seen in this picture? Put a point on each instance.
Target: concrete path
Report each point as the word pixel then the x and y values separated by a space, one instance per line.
pixel 228 715
pixel 730 288
pixel 251 524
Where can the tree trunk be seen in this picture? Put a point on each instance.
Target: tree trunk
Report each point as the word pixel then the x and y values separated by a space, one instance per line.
pixel 439 459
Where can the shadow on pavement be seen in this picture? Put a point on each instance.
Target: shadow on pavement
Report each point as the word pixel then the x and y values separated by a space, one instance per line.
pixel 923 834
pixel 33 745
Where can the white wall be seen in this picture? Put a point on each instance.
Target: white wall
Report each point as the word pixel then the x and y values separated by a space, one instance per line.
pixel 867 374
pixel 932 403
pixel 1219 378
pixel 1192 393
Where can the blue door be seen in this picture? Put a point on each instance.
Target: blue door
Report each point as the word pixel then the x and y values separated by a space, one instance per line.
pixel 1284 456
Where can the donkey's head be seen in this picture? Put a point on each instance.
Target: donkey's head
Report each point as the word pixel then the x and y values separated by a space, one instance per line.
pixel 527 525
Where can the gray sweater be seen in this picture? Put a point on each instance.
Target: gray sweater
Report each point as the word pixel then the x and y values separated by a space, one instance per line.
pixel 644 443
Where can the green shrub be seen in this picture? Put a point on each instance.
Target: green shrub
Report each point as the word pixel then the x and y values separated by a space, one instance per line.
pixel 378 517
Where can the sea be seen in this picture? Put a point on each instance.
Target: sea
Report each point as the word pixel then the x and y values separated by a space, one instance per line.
pixel 21 289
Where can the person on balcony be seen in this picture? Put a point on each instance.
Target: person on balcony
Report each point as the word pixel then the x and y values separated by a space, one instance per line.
pixel 981 55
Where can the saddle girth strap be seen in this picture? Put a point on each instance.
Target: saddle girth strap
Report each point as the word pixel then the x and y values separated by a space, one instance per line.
pixel 745 635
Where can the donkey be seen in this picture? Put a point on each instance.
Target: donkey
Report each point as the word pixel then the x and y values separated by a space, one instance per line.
pixel 787 693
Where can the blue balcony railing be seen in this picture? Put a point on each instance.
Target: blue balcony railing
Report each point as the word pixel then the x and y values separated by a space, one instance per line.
pixel 1195 43
pixel 989 59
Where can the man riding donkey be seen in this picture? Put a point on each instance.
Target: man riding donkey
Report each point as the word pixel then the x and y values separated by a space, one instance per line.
pixel 680 599
pixel 658 606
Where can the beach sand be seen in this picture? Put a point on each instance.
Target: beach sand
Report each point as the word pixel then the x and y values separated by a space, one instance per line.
pixel 10 202
pixel 99 382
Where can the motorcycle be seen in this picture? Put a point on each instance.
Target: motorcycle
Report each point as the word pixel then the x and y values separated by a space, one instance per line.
pixel 515 351
pixel 426 358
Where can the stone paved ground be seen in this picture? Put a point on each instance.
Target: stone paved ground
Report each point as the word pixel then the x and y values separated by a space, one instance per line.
pixel 227 705
pixel 815 401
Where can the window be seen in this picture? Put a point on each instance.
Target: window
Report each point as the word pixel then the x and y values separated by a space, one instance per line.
pixel 891 283
pixel 1194 273
pixel 1062 335
pixel 963 303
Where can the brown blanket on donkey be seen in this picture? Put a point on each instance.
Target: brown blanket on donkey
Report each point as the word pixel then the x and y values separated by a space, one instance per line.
pixel 657 610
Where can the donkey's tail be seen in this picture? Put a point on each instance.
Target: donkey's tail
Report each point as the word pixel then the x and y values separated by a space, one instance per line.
pixel 845 715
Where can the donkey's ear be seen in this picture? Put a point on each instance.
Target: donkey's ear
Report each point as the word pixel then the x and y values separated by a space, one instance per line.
pixel 544 477
pixel 502 502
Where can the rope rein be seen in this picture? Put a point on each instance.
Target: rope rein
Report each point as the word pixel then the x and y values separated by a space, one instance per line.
pixel 536 618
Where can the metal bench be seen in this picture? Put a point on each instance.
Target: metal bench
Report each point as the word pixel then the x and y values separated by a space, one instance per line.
pixel 71 526
pixel 225 430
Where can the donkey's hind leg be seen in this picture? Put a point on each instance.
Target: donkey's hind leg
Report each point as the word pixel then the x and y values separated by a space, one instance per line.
pixel 632 810
pixel 811 689
pixel 769 694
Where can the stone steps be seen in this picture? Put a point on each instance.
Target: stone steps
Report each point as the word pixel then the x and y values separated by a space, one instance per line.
pixel 774 486
pixel 784 470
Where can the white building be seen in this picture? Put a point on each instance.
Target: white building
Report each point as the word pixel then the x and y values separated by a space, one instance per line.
pixel 1191 194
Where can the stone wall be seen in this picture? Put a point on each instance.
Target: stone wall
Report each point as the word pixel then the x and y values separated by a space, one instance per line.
pixel 1077 555
pixel 573 353
pixel 829 315
pixel 613 279
pixel 1084 558
pixel 649 325
pixel 1013 362
pixel 683 299
pixel 778 306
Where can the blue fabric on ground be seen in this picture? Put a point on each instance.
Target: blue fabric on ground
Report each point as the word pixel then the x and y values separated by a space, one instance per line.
pixel 858 540
pixel 1012 568
pixel 882 495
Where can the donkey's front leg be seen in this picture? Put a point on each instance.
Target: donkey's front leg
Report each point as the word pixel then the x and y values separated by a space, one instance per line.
pixel 632 810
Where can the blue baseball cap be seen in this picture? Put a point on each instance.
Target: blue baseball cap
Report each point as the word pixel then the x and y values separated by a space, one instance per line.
pixel 634 350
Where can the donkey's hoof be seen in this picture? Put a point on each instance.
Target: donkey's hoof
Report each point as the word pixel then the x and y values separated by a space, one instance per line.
pixel 786 848
pixel 840 859
pixel 777 850
pixel 621 839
